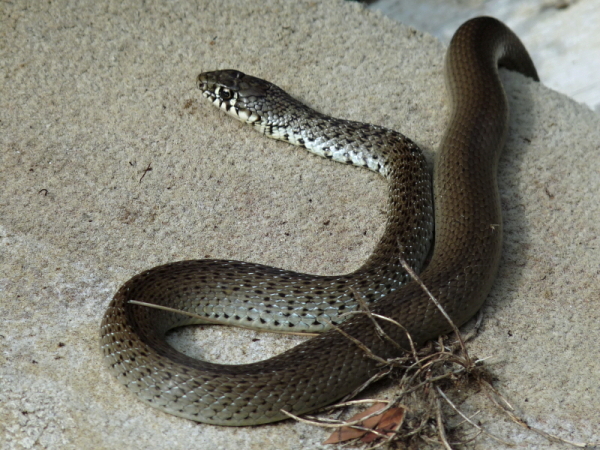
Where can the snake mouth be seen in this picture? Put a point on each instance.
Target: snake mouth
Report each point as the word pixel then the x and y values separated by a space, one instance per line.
pixel 210 94
pixel 231 106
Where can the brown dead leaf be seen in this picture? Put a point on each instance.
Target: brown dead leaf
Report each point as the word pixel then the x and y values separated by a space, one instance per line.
pixel 390 422
pixel 346 433
pixel 386 423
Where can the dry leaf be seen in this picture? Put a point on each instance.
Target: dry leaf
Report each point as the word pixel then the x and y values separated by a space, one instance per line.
pixel 387 422
pixel 390 422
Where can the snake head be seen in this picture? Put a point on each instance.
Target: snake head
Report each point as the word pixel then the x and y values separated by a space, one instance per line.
pixel 239 95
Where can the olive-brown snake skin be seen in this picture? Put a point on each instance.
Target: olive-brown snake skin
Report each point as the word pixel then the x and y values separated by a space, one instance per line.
pixel 468 238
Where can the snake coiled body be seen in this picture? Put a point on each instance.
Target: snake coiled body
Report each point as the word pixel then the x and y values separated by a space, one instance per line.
pixel 468 237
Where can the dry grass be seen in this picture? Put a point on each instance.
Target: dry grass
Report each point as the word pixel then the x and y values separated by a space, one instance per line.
pixel 422 378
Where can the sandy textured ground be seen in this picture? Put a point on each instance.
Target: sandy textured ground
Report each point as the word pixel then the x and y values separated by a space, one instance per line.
pixel 561 36
pixel 94 95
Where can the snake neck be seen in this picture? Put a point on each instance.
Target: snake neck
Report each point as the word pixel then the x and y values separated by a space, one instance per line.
pixel 409 225
pixel 340 140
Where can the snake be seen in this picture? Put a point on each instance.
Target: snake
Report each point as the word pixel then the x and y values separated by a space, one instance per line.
pixel 460 214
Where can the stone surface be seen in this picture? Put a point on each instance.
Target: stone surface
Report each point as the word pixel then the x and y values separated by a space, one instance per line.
pixel 561 35
pixel 96 94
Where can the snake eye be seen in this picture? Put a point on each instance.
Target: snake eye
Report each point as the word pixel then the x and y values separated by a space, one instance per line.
pixel 225 94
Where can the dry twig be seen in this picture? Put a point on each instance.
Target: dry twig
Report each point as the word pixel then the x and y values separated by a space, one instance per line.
pixel 422 372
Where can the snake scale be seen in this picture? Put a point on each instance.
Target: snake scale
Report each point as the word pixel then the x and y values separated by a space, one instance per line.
pixel 468 238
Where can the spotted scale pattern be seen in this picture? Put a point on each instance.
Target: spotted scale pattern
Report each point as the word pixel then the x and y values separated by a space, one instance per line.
pixel 323 369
